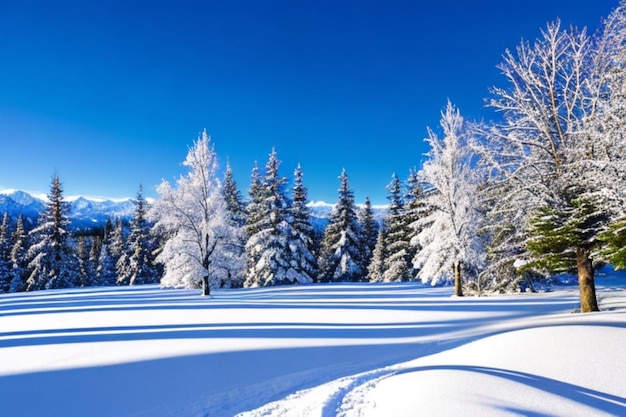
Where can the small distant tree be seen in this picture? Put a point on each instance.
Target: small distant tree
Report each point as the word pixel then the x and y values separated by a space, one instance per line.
pixel 376 268
pixel 19 261
pixel 5 254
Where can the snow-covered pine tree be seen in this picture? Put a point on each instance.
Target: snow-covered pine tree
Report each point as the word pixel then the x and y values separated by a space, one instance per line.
pixel 52 259
pixel 234 201
pixel 376 268
pixel 369 233
pixel 450 243
pixel 554 232
pixel 136 265
pixel 302 244
pixel 106 272
pixel 195 222
pixel 397 266
pixel 18 257
pixel 269 232
pixel 236 207
pixel 340 259
pixel 5 254
pixel 415 209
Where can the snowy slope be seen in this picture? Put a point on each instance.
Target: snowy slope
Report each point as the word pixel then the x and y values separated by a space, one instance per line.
pixel 318 350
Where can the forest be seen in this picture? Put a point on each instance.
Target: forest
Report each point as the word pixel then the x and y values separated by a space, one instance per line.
pixel 498 206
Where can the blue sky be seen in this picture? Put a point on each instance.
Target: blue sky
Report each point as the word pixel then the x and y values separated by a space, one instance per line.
pixel 110 94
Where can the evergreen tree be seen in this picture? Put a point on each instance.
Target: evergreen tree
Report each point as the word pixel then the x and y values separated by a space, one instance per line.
pixel 136 265
pixel 397 260
pixel 302 243
pixel 5 254
pixel 18 257
pixel 237 213
pixel 554 232
pixel 415 209
pixel 234 200
pixel 340 259
pixel 52 260
pixel 369 233
pixel 106 272
pixel 270 257
pixel 376 268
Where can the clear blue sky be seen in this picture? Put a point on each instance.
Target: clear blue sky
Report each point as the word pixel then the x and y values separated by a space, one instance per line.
pixel 111 94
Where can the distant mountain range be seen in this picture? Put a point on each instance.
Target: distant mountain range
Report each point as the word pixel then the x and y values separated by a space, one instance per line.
pixel 86 212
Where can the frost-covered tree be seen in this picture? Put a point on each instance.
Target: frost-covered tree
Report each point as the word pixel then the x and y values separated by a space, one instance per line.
pixel 450 243
pixel 270 245
pixel 376 267
pixel 302 244
pixel 369 233
pixel 543 154
pixel 5 254
pixel 106 272
pixel 19 261
pixel 415 209
pixel 52 258
pixel 397 266
pixel 234 200
pixel 195 221
pixel 136 265
pixel 236 208
pixel 340 259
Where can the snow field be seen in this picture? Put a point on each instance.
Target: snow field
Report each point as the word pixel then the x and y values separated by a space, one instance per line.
pixel 317 350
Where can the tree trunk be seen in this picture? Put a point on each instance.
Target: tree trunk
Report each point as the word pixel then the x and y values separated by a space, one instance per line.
pixel 588 301
pixel 458 285
pixel 205 285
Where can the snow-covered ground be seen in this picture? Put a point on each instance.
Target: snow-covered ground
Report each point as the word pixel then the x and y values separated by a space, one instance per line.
pixel 318 350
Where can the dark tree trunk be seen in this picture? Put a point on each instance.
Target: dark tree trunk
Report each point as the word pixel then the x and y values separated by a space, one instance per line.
pixel 584 264
pixel 205 285
pixel 458 285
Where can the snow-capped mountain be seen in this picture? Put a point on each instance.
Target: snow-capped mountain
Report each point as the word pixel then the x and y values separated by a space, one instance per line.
pixel 84 211
pixel 94 211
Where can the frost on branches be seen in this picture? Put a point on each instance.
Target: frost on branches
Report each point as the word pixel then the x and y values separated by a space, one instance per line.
pixel 555 151
pixel 449 238
pixel 194 218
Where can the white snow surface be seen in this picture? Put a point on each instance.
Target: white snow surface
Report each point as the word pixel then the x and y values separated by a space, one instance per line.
pixel 312 350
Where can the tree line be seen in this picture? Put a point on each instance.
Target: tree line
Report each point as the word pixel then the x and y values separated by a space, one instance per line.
pixel 496 206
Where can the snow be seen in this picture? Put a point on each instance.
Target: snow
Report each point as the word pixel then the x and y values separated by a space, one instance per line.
pixel 380 349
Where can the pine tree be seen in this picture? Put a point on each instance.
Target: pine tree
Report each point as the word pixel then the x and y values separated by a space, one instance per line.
pixel 369 233
pixel 270 233
pixel 614 244
pixel 136 265
pixel 376 268
pixel 397 260
pixel 18 257
pixel 5 254
pixel 52 260
pixel 340 259
pixel 302 245
pixel 238 217
pixel 415 209
pixel 106 273
pixel 233 198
